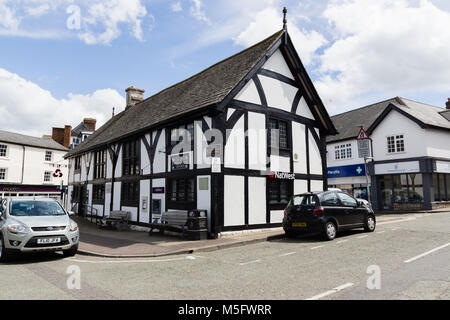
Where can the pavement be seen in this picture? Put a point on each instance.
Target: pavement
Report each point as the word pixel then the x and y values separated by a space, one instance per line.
pixel 139 244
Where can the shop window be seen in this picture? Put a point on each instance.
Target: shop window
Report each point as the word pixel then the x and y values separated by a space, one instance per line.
pixel 396 144
pixel 48 156
pixel 182 190
pixel 280 191
pixel 131 155
pixel 130 194
pixel 343 151
pixel 100 164
pixel 441 187
pixel 98 194
pixel 3 174
pixel 47 176
pixel 415 190
pixel 278 135
pixel 3 150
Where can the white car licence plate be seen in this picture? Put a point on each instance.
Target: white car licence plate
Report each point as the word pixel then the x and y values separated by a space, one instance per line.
pixel 48 240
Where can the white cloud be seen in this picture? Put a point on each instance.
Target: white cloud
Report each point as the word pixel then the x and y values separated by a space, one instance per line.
pixel 384 47
pixel 196 10
pixel 110 14
pixel 38 11
pixel 269 21
pixel 8 17
pixel 176 7
pixel 29 109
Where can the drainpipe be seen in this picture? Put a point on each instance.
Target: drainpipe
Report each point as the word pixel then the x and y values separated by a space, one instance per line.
pixel 23 164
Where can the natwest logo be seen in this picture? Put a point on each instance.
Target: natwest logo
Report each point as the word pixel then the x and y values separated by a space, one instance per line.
pixel 282 175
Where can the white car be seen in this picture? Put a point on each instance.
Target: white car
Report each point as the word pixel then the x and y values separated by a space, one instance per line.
pixel 34 225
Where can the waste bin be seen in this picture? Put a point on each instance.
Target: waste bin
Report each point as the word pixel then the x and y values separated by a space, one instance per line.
pixel 197 225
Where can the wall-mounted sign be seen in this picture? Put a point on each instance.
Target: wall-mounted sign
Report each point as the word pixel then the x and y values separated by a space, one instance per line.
pixel 282 175
pixel 442 167
pixel 180 162
pixel 364 148
pixel 397 168
pixel 158 190
pixel 357 170
pixel 216 165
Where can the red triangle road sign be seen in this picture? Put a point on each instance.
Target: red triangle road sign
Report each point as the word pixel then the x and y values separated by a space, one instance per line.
pixel 362 135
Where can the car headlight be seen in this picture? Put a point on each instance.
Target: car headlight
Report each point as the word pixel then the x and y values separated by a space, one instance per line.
pixel 73 226
pixel 17 229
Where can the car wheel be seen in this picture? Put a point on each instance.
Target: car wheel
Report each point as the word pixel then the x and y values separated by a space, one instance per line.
pixel 71 252
pixel 5 254
pixel 370 223
pixel 330 231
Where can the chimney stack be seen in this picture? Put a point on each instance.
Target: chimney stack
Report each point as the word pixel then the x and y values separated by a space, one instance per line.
pixel 448 104
pixel 134 96
pixel 90 123
pixel 62 135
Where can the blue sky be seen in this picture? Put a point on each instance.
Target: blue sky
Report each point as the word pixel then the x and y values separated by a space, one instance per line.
pixel 357 51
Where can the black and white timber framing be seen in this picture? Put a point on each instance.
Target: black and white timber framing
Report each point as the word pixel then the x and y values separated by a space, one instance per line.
pixel 265 85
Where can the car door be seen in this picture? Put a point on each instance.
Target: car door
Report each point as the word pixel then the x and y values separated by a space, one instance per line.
pixel 350 207
pixel 330 202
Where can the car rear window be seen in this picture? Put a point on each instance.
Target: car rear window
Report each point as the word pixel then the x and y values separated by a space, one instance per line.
pixel 304 200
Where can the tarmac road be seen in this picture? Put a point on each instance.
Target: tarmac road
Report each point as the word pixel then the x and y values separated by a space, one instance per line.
pixel 412 255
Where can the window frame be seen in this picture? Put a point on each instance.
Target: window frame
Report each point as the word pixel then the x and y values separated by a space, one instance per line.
pixel 6 148
pixel 341 151
pixel 130 193
pixel 186 202
pixel 98 193
pixel 49 176
pixel 5 173
pixel 131 161
pixel 277 192
pixel 47 152
pixel 396 143
pixel 285 151
pixel 100 164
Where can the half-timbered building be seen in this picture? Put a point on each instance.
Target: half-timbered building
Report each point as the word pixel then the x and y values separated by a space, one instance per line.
pixel 273 126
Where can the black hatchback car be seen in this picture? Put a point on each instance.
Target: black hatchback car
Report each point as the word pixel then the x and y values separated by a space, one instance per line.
pixel 327 213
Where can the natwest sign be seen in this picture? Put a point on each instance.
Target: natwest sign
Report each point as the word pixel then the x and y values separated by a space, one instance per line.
pixel 282 175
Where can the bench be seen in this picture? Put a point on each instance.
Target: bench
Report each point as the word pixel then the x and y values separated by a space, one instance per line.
pixel 117 219
pixel 175 221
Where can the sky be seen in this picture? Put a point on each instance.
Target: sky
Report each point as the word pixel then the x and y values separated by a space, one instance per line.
pixel 64 60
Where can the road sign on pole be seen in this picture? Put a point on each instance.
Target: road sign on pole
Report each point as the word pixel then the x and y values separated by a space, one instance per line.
pixel 362 135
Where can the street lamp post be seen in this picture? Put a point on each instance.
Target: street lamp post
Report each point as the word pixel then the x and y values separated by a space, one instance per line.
pixel 367 180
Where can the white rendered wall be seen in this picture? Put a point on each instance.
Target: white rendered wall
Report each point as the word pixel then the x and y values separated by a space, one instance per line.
pixel 300 186
pixel 276 216
pixel 249 94
pixel 315 159
pixel 257 200
pixel 303 109
pixel 437 143
pixel 316 185
pixel 133 211
pixel 234 212
pixel 257 141
pixel 279 94
pixel 159 183
pixel 277 63
pixel 159 165
pixel 279 163
pixel 396 124
pixel 299 147
pixel 116 202
pixel 235 147
pixel 108 187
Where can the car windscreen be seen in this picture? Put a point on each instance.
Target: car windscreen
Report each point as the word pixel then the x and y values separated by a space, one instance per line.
pixel 36 208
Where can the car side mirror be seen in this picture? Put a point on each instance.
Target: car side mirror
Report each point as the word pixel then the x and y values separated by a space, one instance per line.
pixel 71 213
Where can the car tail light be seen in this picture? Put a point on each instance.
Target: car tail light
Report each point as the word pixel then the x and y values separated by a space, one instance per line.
pixel 285 212
pixel 318 212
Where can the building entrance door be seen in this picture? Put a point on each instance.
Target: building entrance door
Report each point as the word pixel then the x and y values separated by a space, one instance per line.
pixel 83 202
pixel 385 192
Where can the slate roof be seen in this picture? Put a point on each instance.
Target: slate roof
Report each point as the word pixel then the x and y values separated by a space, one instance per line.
pixel 79 128
pixel 348 123
pixel 202 90
pixel 446 114
pixel 45 143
